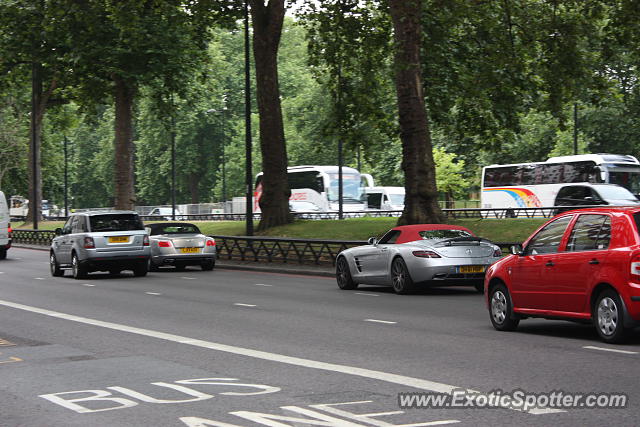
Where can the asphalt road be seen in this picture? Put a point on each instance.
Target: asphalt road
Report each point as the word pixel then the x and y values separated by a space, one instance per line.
pixel 234 348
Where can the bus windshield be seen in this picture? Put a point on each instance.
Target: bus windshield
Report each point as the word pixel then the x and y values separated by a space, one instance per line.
pixel 351 187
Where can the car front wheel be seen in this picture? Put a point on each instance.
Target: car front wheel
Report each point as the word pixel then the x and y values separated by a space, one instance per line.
pixel 343 275
pixel 56 271
pixel 501 309
pixel 400 277
pixel 608 317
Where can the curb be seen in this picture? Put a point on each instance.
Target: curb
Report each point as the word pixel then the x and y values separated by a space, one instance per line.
pixel 246 266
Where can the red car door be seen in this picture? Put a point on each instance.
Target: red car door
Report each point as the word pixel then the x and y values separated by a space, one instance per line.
pixel 577 267
pixel 533 273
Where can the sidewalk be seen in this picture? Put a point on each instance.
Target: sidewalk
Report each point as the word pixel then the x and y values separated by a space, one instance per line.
pixel 266 267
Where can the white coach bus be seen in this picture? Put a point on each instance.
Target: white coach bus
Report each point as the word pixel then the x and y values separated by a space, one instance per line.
pixel 532 185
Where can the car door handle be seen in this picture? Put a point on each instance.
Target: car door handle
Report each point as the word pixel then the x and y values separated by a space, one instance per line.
pixel 549 264
pixel 594 261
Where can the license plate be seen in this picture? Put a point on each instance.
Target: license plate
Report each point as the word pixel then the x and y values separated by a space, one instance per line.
pixel 190 250
pixel 472 268
pixel 119 239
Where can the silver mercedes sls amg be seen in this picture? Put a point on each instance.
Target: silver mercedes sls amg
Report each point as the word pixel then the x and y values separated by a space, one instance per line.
pixel 412 255
pixel 179 244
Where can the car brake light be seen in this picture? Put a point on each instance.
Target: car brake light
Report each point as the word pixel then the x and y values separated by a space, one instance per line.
pixel 164 244
pixel 10 230
pixel 425 254
pixel 211 242
pixel 497 253
pixel 89 243
pixel 145 240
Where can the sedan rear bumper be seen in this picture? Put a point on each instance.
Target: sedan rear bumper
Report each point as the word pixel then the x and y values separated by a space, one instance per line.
pixel 182 259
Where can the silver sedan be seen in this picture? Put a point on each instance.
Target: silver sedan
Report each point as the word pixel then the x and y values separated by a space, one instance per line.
pixel 179 244
pixel 424 254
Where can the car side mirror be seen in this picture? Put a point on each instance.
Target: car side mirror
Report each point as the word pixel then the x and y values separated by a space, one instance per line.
pixel 58 231
pixel 516 250
pixel 372 241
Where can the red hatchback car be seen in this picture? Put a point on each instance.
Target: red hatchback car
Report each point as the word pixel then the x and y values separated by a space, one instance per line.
pixel 582 265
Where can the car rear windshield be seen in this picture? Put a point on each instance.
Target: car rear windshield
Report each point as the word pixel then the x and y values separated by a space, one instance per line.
pixel 443 234
pixel 176 229
pixel 119 222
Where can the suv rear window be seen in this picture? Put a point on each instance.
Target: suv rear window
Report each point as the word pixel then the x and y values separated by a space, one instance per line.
pixel 115 222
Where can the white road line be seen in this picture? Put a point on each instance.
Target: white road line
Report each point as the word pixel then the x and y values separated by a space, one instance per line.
pixel 262 284
pixel 367 295
pixel 188 278
pixel 417 383
pixel 613 350
pixel 89 285
pixel 244 305
pixel 39 278
pixel 153 293
pixel 1 272
pixel 380 321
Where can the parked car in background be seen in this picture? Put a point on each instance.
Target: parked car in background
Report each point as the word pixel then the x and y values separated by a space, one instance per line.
pixel 180 244
pixel 100 241
pixel 412 255
pixel 385 198
pixel 582 265
pixel 5 227
pixel 164 213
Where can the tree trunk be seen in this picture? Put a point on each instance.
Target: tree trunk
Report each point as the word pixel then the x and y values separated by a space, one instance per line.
pixel 267 28
pixel 194 187
pixel 421 200
pixel 123 172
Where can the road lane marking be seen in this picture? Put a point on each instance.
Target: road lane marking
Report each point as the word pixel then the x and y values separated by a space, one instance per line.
pixel 88 285
pixel 613 350
pixel 367 295
pixel 244 305
pixel 262 284
pixel 39 278
pixel 388 377
pixel 153 293
pixel 188 278
pixel 1 272
pixel 380 321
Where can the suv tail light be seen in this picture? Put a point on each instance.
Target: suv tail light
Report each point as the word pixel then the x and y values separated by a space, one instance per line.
pixel 211 242
pixel 10 230
pixel 164 244
pixel 89 243
pixel 497 253
pixel 425 254
pixel 145 240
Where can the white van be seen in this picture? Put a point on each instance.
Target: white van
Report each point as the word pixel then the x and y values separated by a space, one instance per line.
pixel 5 227
pixel 385 198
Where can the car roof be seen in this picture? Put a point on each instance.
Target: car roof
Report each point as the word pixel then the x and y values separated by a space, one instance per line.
pixel 409 233
pixel 110 212
pixel 617 209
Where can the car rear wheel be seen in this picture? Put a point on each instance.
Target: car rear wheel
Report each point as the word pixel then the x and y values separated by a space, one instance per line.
pixel 153 266
pixel 56 271
pixel 479 287
pixel 114 271
pixel 208 265
pixel 608 317
pixel 180 267
pixel 140 270
pixel 400 277
pixel 79 270
pixel 501 309
pixel 343 275
pixel 3 253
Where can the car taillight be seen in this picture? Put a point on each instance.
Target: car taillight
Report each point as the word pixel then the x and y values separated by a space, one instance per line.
pixel 10 230
pixel 425 254
pixel 211 242
pixel 164 244
pixel 145 240
pixel 497 253
pixel 89 243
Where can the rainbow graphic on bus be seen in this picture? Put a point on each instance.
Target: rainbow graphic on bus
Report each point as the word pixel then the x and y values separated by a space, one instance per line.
pixel 524 198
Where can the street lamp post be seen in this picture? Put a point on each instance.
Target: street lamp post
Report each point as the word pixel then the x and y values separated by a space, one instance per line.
pixel 247 112
pixel 173 161
pixel 66 177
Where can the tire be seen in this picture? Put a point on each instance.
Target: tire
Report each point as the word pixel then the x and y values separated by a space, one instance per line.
pixel 208 265
pixel 401 280
pixel 114 271
pixel 56 271
pixel 608 317
pixel 343 275
pixel 3 253
pixel 479 287
pixel 501 309
pixel 79 270
pixel 152 266
pixel 180 267
pixel 140 270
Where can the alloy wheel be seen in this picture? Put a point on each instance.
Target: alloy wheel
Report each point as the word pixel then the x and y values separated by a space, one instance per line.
pixel 607 316
pixel 499 307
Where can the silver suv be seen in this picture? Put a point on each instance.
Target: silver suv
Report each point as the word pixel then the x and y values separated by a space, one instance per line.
pixel 100 241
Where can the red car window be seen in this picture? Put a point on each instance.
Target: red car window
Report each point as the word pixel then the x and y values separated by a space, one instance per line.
pixel 548 239
pixel 590 233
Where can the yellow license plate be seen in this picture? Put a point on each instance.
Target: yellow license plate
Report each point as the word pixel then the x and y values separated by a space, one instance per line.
pixel 190 250
pixel 119 239
pixel 472 269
